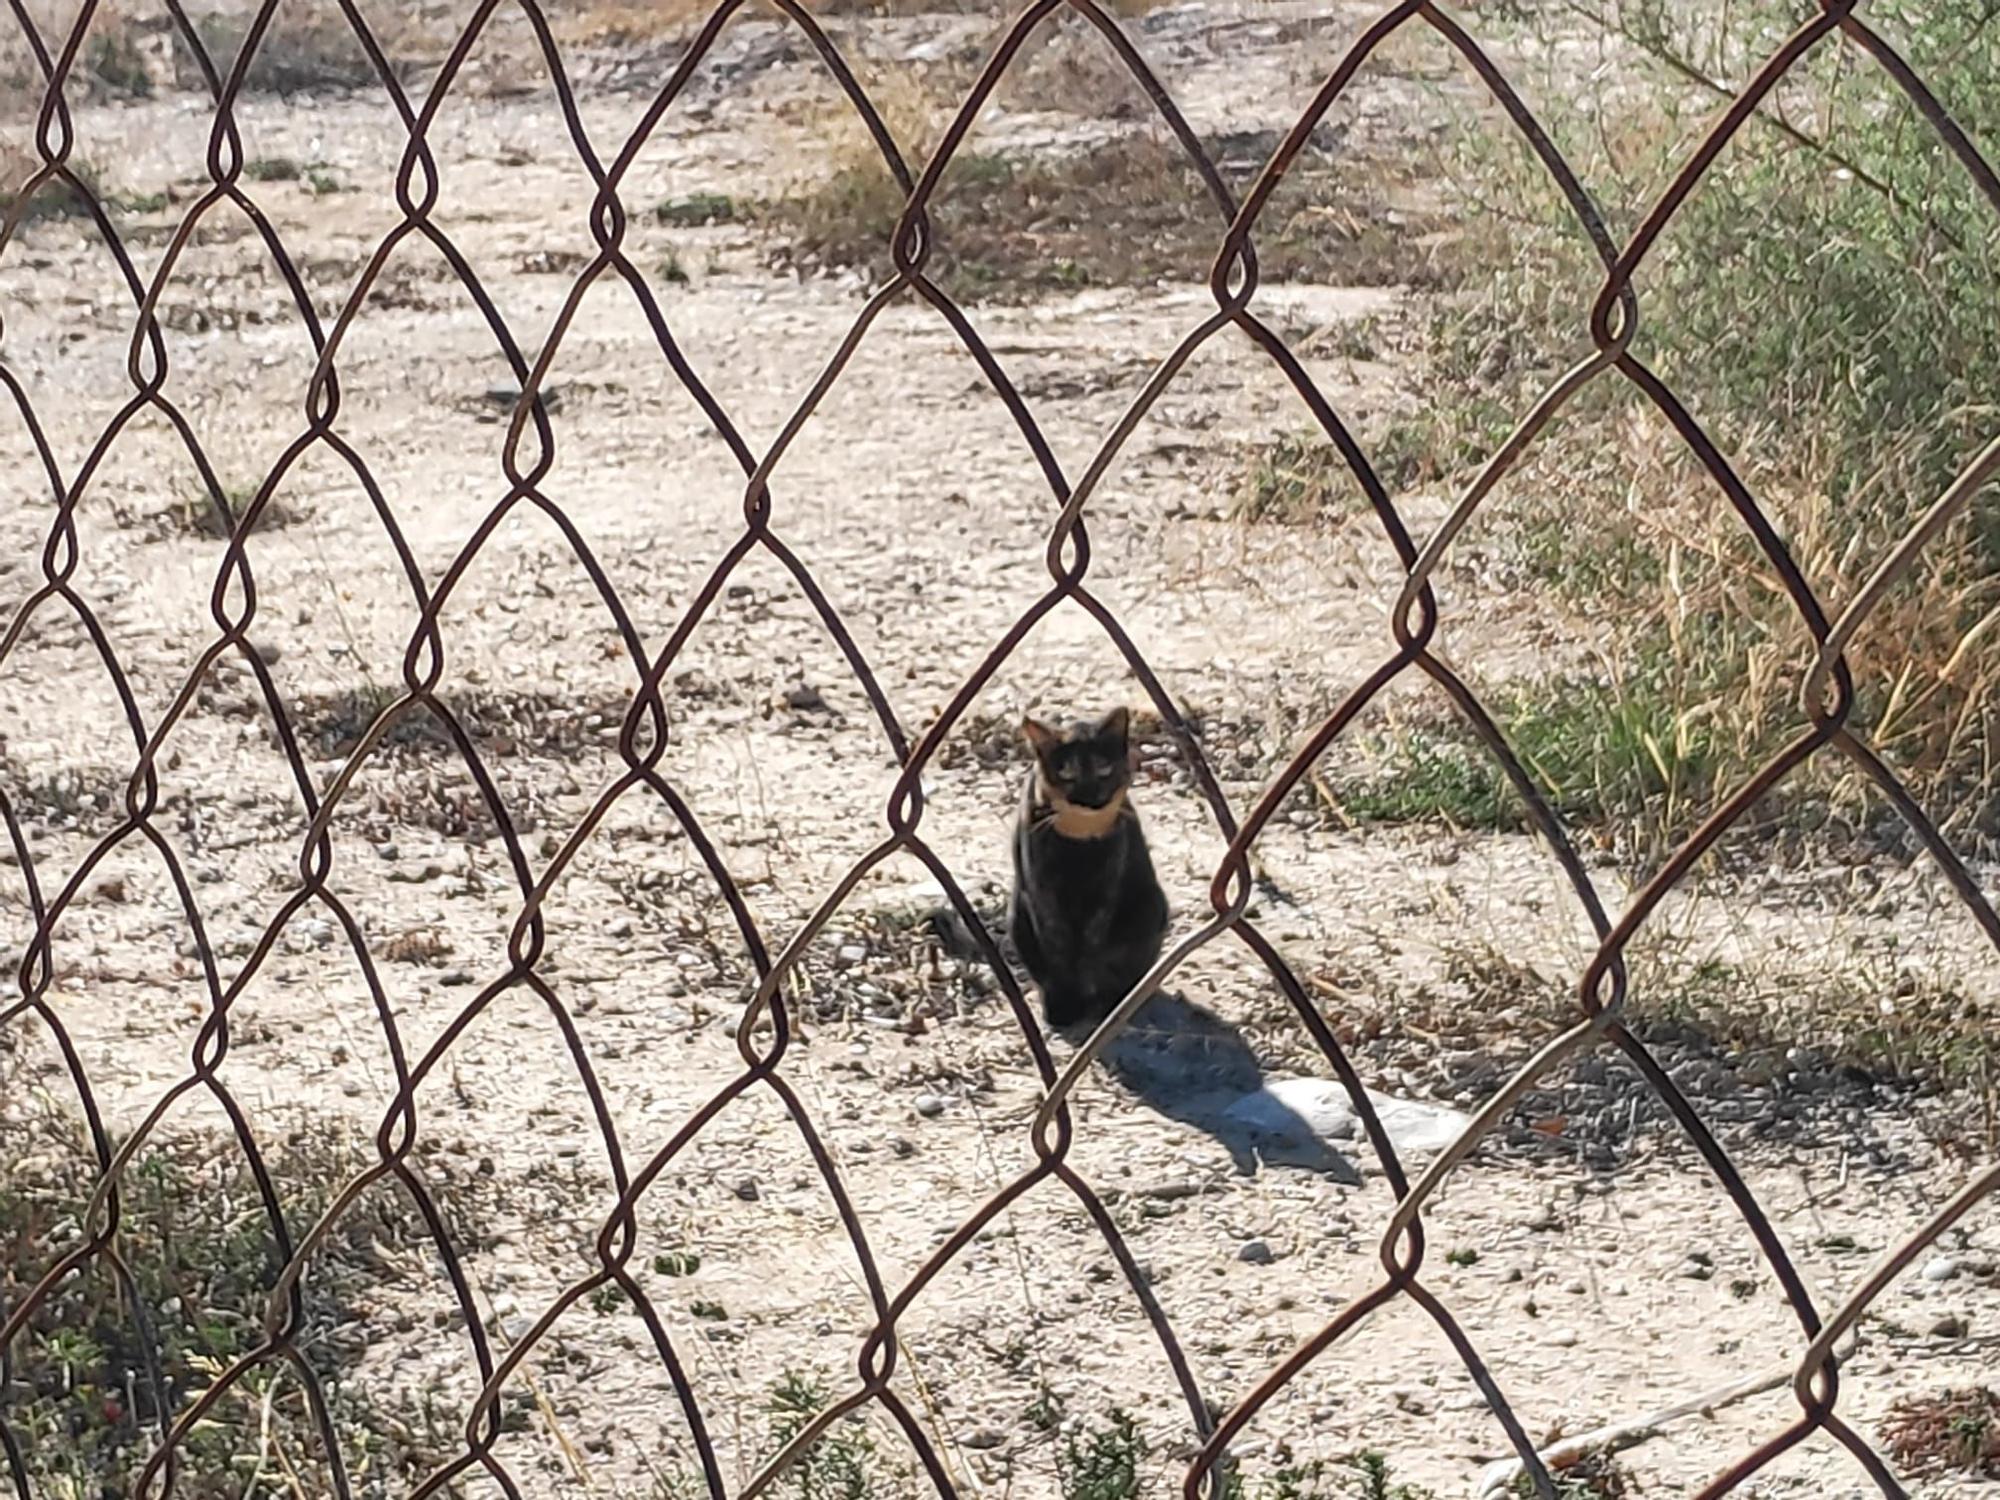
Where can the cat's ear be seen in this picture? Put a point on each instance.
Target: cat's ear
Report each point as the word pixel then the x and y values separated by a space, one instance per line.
pixel 1115 724
pixel 1041 739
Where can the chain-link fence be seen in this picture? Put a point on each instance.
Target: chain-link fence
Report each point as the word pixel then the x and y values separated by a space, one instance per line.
pixel 765 1031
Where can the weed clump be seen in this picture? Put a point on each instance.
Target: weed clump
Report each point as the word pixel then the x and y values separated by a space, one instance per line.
pixel 1954 1432
pixel 117 1351
pixel 1846 405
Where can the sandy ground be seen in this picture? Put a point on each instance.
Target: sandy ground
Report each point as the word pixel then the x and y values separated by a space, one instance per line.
pixel 1600 1273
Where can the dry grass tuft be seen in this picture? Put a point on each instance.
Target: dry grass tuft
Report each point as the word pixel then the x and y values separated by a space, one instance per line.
pixel 1955 1432
pixel 1131 211
pixel 54 198
pixel 302 51
pixel 1847 404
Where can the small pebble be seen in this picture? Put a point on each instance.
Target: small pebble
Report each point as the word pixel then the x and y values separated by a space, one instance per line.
pixel 1940 1268
pixel 1950 1326
pixel 1255 1253
pixel 747 1190
pixel 985 1437
pixel 929 1105
pixel 621 928
pixel 1563 1338
pixel 852 953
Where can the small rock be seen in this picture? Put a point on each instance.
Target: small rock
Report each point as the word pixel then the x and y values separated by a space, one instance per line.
pixel 985 1437
pixel 386 851
pixel 455 978
pixel 747 1190
pixel 1563 1338
pixel 1696 1269
pixel 929 1105
pixel 901 1146
pixel 852 953
pixel 621 928
pixel 805 698
pixel 1940 1268
pixel 1950 1326
pixel 1255 1253
pixel 1545 1220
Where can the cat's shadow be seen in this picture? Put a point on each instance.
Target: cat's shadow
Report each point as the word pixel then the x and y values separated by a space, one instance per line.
pixel 1191 1065
pixel 1187 1063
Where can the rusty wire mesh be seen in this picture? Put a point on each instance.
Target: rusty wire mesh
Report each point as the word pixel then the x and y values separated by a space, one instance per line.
pixel 765 1029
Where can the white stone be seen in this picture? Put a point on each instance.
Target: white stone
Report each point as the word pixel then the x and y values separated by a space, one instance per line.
pixel 1323 1107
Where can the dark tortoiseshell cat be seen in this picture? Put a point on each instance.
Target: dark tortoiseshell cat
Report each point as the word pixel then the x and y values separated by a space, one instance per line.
pixel 1087 916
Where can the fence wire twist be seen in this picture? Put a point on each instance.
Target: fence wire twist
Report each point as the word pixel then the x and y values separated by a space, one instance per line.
pixel 765 1031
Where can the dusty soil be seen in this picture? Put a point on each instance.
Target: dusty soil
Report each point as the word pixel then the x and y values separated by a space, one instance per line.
pixel 1598 1267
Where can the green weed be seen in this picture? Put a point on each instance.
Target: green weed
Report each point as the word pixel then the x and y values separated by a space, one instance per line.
pixel 1847 404
pixel 696 210
pixel 110 1352
pixel 840 1465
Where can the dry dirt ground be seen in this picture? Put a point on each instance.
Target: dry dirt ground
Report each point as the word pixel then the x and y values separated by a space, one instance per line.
pixel 1598 1267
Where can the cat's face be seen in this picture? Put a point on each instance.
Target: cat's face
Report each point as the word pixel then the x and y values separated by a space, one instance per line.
pixel 1088 763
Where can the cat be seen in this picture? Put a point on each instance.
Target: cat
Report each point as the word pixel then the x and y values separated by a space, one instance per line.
pixel 1087 916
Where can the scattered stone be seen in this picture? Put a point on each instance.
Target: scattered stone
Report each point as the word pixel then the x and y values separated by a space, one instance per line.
pixel 1950 1326
pixel 453 978
pixel 747 1190
pixel 386 851
pixel 852 953
pixel 621 928
pixel 1563 1338
pixel 1255 1253
pixel 1940 1268
pixel 1697 1268
pixel 929 1105
pixel 1545 1220
pixel 804 698
pixel 985 1437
